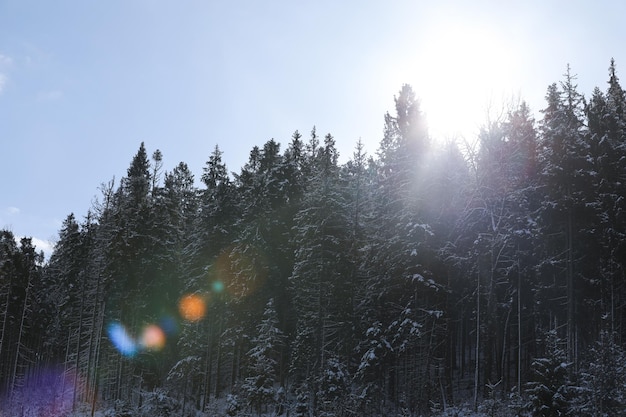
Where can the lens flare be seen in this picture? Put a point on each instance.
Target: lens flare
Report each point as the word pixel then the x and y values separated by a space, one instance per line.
pixel 192 307
pixel 217 286
pixel 47 392
pixel 153 337
pixel 169 325
pixel 122 340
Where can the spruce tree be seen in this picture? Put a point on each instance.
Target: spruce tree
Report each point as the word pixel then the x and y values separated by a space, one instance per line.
pixel 549 389
pixel 264 355
pixel 400 290
pixel 568 211
pixel 606 125
pixel 497 232
pixel 600 389
pixel 320 280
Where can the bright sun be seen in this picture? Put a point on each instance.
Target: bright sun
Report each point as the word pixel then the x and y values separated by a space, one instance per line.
pixel 462 75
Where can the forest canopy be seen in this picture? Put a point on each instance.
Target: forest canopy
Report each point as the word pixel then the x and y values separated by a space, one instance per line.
pixel 415 281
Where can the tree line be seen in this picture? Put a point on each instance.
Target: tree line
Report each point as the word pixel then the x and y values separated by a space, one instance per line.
pixel 407 283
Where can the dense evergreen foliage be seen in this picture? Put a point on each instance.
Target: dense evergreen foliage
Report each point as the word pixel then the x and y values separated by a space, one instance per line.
pixel 419 281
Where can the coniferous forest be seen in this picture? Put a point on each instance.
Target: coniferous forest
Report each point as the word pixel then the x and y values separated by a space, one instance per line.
pixel 423 279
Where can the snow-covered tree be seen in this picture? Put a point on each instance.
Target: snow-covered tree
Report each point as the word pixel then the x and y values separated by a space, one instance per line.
pixel 549 388
pixel 260 386
pixel 607 139
pixel 601 386
pixel 334 396
pixel 320 281
pixel 399 290
pixel 568 213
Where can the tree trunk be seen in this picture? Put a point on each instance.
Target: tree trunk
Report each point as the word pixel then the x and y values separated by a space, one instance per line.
pixel 477 358
pixel 218 366
pixel 519 332
pixel 4 318
pixel 97 352
pixel 19 341
pixel 207 370
pixel 571 307
pixel 80 328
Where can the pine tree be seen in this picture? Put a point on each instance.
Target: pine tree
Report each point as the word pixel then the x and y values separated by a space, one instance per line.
pixel 568 210
pixel 211 229
pixel 73 284
pixel 600 390
pixel 320 281
pixel 497 232
pixel 606 125
pixel 22 323
pixel 130 246
pixel 549 389
pixel 213 226
pixel 131 254
pixel 259 386
pixel 334 389
pixel 400 291
pixel 449 191
pixel 63 273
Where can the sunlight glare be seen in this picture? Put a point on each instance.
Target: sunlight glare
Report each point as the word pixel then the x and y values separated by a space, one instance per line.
pixel 462 73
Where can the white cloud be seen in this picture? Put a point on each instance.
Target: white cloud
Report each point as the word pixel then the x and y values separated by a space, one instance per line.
pixel 12 211
pixel 3 81
pixel 41 245
pixel 44 245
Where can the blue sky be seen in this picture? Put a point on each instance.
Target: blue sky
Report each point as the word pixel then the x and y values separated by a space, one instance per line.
pixel 83 83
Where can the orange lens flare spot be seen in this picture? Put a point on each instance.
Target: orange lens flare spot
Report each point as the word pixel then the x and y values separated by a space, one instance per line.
pixel 192 307
pixel 153 337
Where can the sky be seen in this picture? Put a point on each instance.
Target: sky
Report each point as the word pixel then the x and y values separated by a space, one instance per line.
pixel 83 83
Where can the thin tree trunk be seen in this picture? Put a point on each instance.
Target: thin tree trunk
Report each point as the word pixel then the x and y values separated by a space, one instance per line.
pixel 234 365
pixel 519 331
pixel 97 356
pixel 19 341
pixel 91 370
pixel 207 371
pixel 218 367
pixel 182 414
pixel 463 343
pixel 477 358
pixel 65 362
pixel 94 398
pixel 571 331
pixel 503 362
pixel 118 383
pixel 4 318
pixel 80 328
